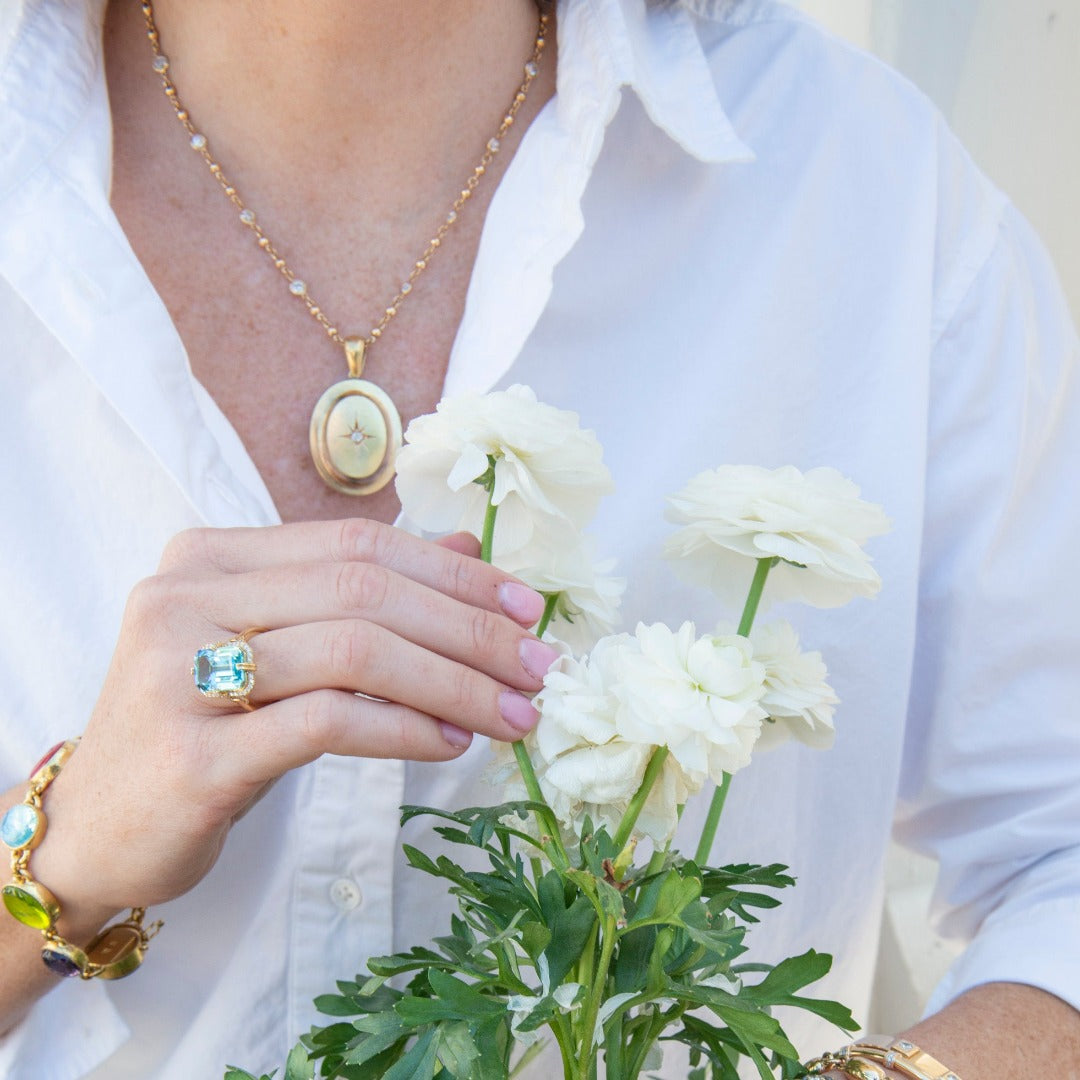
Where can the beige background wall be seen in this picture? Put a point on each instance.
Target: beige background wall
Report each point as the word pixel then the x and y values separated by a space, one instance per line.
pixel 1006 74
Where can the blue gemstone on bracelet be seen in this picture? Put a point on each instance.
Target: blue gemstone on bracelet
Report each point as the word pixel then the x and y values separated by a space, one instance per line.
pixel 20 825
pixel 218 671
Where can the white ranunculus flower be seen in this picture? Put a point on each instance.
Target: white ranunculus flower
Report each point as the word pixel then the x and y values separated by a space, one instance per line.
pixel 588 604
pixel 603 716
pixel 546 466
pixel 797 698
pixel 699 696
pixel 741 512
pixel 584 768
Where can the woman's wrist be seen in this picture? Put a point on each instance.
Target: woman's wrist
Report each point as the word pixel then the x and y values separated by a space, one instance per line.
pixel 111 952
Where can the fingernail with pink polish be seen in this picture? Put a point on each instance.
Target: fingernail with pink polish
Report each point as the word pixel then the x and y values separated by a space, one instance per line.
pixel 457 737
pixel 521 603
pixel 517 711
pixel 536 657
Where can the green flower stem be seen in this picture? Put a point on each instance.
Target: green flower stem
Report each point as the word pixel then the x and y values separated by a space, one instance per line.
pixel 633 811
pixel 716 807
pixel 712 820
pixel 656 1028
pixel 551 600
pixel 588 956
pixel 545 818
pixel 532 785
pixel 586 1055
pixel 757 587
pixel 614 1069
pixel 565 1038
pixel 488 535
pixel 656 860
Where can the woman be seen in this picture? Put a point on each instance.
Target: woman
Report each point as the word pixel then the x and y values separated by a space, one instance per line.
pixel 765 249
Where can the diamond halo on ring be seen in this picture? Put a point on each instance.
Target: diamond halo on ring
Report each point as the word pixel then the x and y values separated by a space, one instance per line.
pixel 226 671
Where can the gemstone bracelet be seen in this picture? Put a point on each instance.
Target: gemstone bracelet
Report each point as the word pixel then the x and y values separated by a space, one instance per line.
pixel 115 951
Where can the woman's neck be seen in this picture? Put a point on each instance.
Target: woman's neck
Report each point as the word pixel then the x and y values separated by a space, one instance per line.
pixel 309 97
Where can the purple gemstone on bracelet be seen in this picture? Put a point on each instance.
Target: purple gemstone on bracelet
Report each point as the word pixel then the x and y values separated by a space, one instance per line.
pixel 59 963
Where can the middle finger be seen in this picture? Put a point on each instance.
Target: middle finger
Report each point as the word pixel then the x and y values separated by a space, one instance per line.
pixel 320 592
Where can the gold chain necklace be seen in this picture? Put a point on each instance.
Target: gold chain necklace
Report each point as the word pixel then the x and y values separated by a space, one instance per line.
pixel 355 432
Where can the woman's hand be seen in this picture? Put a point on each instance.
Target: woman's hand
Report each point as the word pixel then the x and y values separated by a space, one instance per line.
pixel 141 811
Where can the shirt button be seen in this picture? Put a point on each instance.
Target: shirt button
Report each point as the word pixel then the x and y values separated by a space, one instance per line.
pixel 345 894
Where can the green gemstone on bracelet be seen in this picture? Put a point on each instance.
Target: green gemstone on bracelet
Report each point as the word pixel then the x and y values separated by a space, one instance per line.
pixel 22 826
pixel 32 904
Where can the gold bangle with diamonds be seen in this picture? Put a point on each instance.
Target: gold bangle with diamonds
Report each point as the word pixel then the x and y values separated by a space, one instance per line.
pixel 115 951
pixel 902 1055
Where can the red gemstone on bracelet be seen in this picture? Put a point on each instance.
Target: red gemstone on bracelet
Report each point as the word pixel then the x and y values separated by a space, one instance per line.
pixel 48 755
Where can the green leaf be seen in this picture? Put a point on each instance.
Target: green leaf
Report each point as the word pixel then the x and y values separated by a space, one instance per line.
pixel 570 926
pixel 457 1049
pixel 419 1062
pixel 666 897
pixel 454 1000
pixel 631 965
pixel 327 1039
pixel 779 986
pixel 234 1073
pixel 788 976
pixel 335 1005
pixel 473 1004
pixel 382 1031
pixel 534 938
pixel 417 959
pixel 299 1066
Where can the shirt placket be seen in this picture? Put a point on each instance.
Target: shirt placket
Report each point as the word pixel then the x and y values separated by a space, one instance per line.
pixel 346 835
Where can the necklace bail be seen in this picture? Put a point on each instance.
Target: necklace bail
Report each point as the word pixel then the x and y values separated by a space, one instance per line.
pixel 354 354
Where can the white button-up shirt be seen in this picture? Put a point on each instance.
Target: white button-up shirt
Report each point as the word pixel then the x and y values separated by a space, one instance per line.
pixel 728 238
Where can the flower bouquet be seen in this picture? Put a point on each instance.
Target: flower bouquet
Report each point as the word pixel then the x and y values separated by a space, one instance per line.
pixel 569 933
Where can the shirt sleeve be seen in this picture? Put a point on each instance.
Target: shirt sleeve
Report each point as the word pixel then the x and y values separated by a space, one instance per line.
pixel 991 775
pixel 69 1032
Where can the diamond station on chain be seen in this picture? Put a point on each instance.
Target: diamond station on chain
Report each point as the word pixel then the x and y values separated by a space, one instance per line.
pixel 218 671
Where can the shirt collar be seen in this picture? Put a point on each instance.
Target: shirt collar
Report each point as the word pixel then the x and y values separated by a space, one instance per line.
pixel 50 67
pixel 654 49
pixel 50 62
pixel 535 216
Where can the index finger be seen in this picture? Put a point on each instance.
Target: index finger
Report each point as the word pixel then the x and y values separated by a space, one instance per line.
pixel 241 550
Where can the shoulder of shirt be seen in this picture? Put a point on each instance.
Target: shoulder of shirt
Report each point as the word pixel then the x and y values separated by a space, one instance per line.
pixel 787 81
pixel 827 62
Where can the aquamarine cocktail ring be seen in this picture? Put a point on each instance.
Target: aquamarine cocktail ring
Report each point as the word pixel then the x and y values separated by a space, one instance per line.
pixel 226 671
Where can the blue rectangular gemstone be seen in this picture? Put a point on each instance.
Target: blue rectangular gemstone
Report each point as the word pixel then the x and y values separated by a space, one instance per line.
pixel 217 671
